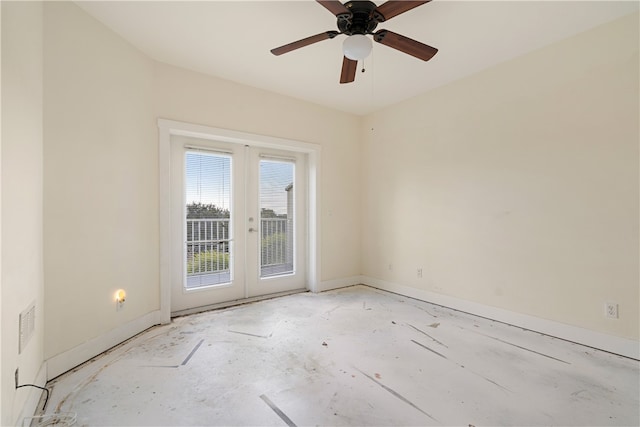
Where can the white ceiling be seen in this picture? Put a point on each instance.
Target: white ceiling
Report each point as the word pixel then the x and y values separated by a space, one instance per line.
pixel 232 40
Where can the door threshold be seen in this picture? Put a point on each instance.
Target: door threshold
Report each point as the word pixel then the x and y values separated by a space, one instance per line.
pixel 233 303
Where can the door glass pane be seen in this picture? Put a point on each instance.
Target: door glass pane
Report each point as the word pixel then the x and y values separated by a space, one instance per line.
pixel 208 248
pixel 276 218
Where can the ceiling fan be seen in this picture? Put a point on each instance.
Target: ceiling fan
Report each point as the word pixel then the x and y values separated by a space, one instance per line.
pixel 357 19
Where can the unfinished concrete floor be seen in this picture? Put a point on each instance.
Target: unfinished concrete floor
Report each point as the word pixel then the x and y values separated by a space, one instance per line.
pixel 356 356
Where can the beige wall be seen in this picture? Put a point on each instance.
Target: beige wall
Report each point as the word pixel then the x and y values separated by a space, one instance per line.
pixel 102 99
pixel 516 188
pixel 21 182
pixel 100 179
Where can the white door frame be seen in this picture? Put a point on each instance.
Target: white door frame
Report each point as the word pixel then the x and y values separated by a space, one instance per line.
pixel 167 128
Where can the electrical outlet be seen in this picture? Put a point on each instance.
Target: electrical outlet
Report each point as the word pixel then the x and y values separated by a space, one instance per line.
pixel 611 310
pixel 17 380
pixel 420 273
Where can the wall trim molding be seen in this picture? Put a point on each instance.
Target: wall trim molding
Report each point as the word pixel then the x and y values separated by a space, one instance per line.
pixel 612 344
pixel 63 362
pixel 343 282
pixel 35 395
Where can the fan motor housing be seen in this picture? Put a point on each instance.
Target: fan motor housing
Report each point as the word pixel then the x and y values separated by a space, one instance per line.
pixel 362 19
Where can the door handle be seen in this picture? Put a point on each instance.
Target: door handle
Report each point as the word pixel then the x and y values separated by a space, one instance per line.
pixel 252 230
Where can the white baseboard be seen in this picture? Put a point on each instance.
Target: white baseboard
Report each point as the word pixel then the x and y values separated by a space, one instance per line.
pixel 33 399
pixel 622 346
pixel 327 285
pixel 63 362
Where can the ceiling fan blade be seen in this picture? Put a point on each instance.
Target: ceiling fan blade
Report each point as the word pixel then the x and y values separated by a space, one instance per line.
pixel 405 44
pixel 393 8
pixel 334 6
pixel 349 67
pixel 304 42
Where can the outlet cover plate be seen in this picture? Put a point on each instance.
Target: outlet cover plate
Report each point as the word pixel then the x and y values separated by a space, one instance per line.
pixel 611 310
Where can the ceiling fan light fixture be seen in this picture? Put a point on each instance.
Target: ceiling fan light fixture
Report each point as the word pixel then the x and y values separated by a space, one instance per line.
pixel 358 19
pixel 357 47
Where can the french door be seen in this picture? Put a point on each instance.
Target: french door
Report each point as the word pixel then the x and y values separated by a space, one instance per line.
pixel 238 222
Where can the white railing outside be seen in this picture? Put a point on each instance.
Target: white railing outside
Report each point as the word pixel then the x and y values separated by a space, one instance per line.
pixel 208 244
pixel 273 243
